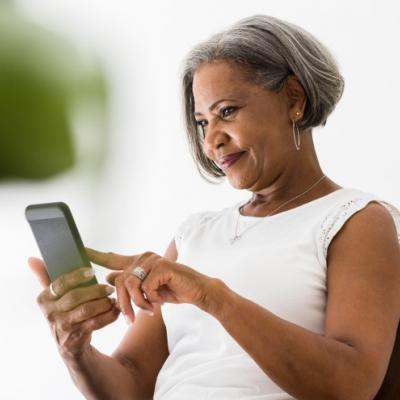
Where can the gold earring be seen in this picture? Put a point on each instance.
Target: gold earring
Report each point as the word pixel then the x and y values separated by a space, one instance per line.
pixel 296 135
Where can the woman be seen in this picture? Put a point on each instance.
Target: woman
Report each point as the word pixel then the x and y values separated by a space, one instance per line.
pixel 290 294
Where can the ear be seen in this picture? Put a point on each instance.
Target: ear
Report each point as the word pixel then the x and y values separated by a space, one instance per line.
pixel 296 98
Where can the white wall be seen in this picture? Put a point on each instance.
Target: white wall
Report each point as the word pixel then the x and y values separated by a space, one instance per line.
pixel 150 184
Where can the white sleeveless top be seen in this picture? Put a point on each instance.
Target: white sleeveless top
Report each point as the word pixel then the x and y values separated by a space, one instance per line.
pixel 279 263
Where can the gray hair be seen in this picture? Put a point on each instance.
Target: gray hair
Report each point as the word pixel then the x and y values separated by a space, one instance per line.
pixel 269 50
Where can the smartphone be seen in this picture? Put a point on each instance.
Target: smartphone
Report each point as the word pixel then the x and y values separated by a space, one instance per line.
pixel 58 239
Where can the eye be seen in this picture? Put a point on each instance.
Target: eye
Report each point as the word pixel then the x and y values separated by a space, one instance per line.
pixel 227 111
pixel 201 124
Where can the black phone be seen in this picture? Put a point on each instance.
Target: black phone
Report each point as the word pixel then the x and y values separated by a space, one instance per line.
pixel 58 239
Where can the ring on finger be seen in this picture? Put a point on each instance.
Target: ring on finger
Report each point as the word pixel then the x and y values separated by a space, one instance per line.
pixel 139 272
pixel 52 291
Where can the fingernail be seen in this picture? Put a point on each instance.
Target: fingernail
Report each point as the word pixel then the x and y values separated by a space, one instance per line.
pixel 110 289
pixel 88 273
pixel 128 321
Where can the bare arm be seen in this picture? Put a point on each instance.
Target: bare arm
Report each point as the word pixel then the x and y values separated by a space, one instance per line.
pixel 99 377
pixel 350 360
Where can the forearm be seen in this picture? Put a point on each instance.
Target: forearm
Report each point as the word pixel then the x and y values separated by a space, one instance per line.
pixel 304 364
pixel 99 376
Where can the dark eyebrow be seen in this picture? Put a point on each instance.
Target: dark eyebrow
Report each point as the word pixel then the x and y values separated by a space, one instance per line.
pixel 213 105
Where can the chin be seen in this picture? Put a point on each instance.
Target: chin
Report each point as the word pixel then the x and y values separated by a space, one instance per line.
pixel 239 184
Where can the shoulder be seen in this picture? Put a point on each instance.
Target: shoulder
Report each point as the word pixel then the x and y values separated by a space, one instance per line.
pixel 369 237
pixel 196 219
pixel 192 222
pixel 373 221
pixel 354 207
pixel 368 232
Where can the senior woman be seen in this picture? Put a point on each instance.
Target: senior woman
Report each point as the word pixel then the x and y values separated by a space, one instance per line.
pixel 293 293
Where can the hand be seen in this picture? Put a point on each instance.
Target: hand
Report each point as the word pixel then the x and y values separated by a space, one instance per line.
pixel 76 312
pixel 166 281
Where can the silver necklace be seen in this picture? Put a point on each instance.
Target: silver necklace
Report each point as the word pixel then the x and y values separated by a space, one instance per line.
pixel 236 236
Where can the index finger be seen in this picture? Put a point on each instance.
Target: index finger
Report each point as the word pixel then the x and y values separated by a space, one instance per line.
pixel 109 260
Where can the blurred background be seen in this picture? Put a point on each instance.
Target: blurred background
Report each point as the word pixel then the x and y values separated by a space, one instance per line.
pixel 90 115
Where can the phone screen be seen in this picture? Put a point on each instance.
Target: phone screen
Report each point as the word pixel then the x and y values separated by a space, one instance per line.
pixel 58 238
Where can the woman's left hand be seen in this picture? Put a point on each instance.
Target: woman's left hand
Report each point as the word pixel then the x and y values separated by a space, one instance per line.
pixel 165 281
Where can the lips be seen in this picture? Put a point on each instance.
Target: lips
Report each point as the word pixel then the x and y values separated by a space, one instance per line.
pixel 227 161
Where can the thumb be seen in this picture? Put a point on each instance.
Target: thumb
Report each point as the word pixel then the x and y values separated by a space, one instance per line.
pixel 38 268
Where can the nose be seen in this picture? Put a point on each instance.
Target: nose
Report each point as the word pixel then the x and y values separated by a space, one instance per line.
pixel 215 136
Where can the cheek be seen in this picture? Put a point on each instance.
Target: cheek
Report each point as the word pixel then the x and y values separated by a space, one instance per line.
pixel 257 158
pixel 266 152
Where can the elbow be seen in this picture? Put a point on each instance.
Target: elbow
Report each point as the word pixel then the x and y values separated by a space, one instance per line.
pixel 360 378
pixel 356 386
pixel 360 395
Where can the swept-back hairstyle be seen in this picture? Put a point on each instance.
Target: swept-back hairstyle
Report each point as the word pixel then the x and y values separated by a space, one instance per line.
pixel 269 50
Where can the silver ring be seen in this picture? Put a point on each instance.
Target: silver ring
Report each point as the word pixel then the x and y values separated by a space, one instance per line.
pixel 55 295
pixel 140 273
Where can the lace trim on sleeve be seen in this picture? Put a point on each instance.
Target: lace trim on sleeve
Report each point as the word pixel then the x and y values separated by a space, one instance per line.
pixel 334 221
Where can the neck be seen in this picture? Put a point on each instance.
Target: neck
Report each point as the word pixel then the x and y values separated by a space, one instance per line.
pixel 298 176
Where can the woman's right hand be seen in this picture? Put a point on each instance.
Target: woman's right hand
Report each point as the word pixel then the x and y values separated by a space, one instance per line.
pixel 75 312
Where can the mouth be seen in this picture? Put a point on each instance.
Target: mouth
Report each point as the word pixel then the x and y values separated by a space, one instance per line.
pixel 230 160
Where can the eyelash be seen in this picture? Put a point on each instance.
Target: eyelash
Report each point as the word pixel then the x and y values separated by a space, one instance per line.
pixel 199 123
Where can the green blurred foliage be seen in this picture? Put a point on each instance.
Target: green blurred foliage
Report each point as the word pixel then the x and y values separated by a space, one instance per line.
pixel 43 80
